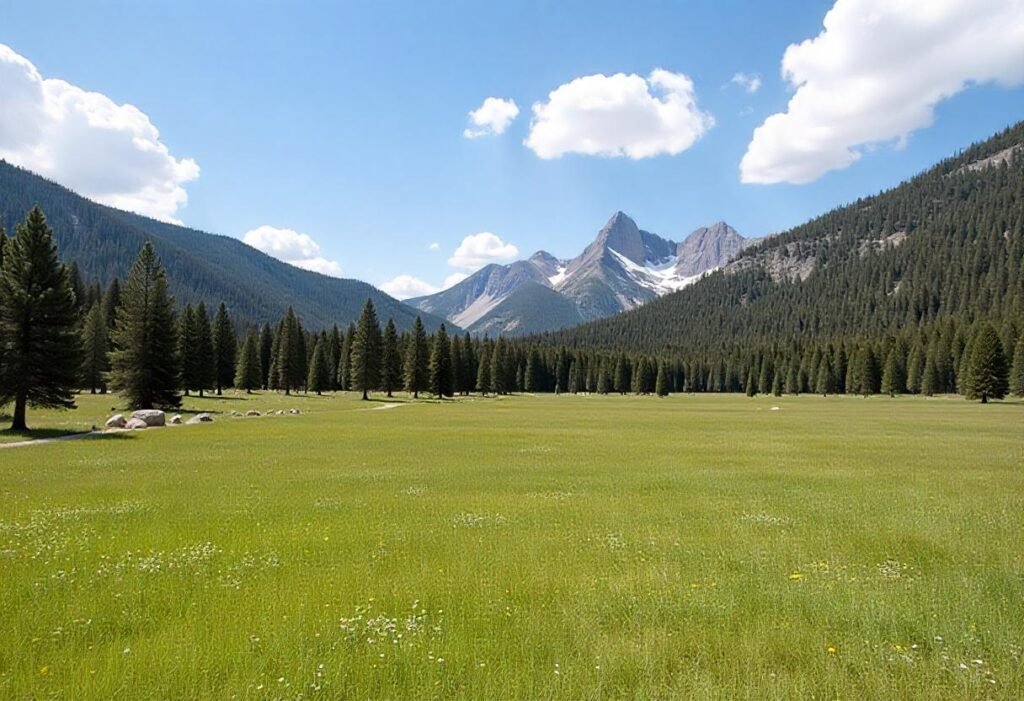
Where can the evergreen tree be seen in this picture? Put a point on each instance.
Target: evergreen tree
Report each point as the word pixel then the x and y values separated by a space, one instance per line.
pixel 622 374
pixel 334 343
pixel 1017 371
pixel 751 384
pixel 532 379
pixel 290 360
pixel 225 347
pixel 205 363
pixel 145 359
pixel 915 368
pixel 499 375
pixel 365 361
pixel 661 384
pixel 96 350
pixel 483 372
pixel 319 377
pixel 468 364
pixel 416 360
pixel 573 387
pixel 777 385
pixel 40 352
pixel 267 353
pixel 792 380
pixel 441 365
pixel 390 360
pixel 893 380
pixel 111 301
pixel 455 352
pixel 188 355
pixel 930 382
pixel 345 361
pixel 248 372
pixel 824 384
pixel 987 374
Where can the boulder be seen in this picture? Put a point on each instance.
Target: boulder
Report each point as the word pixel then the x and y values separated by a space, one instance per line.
pixel 293 411
pixel 280 412
pixel 136 423
pixel 116 421
pixel 200 419
pixel 152 417
pixel 252 412
pixel 236 413
pixel 176 419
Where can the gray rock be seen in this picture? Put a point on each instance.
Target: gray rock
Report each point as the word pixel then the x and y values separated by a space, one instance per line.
pixel 252 412
pixel 136 423
pixel 116 421
pixel 176 419
pixel 152 417
pixel 236 413
pixel 293 411
pixel 200 419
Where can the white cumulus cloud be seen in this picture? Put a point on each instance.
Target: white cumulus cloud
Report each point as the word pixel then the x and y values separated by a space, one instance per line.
pixel 491 118
pixel 478 250
pixel 751 82
pixel 453 279
pixel 619 115
pixel 406 286
pixel 108 152
pixel 292 247
pixel 875 74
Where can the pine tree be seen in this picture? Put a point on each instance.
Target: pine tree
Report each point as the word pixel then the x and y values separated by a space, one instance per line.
pixel 621 374
pixel 225 347
pixel 777 385
pixel 390 360
pixel 532 381
pixel 573 388
pixel 1017 371
pixel 204 359
pixel 893 380
pixel 334 354
pixel 987 375
pixel 792 380
pixel 319 377
pixel 455 353
pixel 188 356
pixel 111 301
pixel 824 384
pixel 145 359
pixel 248 373
pixel 96 350
pixel 441 365
pixel 915 368
pixel 751 384
pixel 416 360
pixel 499 375
pixel 290 360
pixel 468 365
pixel 661 384
pixel 40 352
pixel 365 361
pixel 345 360
pixel 266 350
pixel 483 372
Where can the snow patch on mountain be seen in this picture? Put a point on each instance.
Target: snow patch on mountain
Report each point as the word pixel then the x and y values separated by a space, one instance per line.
pixel 660 277
pixel 558 277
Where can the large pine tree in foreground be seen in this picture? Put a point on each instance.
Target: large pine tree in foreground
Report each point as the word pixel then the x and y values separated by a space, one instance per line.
pixel 225 347
pixel 987 372
pixel 248 373
pixel 416 360
pixel 144 362
pixel 39 345
pixel 365 361
pixel 441 365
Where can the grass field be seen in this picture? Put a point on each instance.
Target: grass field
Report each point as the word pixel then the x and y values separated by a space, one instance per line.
pixel 522 548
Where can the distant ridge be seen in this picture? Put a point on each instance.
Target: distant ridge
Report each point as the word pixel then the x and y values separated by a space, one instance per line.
pixel 104 241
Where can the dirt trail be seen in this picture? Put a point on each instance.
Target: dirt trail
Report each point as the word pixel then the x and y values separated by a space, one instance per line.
pixel 44 441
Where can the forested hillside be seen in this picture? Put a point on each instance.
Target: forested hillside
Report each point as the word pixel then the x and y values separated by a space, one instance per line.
pixel 915 268
pixel 103 243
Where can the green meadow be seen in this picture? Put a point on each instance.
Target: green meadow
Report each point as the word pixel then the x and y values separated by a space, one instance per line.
pixel 572 547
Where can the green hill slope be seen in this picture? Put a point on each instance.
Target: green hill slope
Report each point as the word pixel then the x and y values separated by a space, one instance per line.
pixel 104 242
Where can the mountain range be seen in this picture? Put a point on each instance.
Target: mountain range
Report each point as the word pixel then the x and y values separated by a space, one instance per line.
pixel 623 268
pixel 934 255
pixel 104 242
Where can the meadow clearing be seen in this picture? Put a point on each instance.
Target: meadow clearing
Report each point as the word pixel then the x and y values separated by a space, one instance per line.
pixel 541 547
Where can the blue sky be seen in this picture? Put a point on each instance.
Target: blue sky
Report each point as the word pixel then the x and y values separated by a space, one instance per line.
pixel 345 121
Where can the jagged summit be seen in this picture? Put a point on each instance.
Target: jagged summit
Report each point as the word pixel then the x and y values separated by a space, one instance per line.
pixel 622 268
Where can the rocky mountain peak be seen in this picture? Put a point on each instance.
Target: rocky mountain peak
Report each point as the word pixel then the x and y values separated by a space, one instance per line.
pixel 708 247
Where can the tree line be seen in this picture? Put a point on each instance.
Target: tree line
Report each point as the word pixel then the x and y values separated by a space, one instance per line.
pixel 58 336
